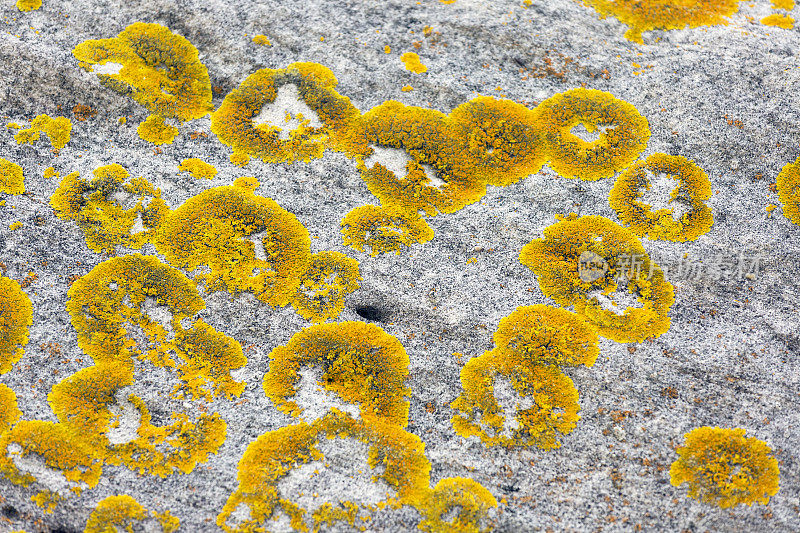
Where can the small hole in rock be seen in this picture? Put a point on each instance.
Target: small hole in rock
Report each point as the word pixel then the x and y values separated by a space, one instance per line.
pixel 10 512
pixel 369 312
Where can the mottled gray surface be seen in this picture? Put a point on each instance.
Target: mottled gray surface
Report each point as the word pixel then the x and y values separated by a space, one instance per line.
pixel 732 354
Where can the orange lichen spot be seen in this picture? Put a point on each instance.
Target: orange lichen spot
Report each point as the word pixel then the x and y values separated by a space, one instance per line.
pixel 415 161
pixel 647 15
pixel 56 447
pixel 788 185
pixel 384 229
pixel 685 215
pixel 724 468
pixel 155 130
pixel 261 40
pixel 111 209
pixel 197 168
pixel 458 505
pixel 356 361
pixel 412 63
pixel 11 179
pixel 502 142
pixel 29 5
pixel 781 21
pixel 788 5
pixel 544 335
pixel 249 243
pixel 511 404
pixel 16 314
pixel 396 470
pixel 83 112
pixel 123 512
pixel 287 115
pixel 329 278
pixel 57 129
pixel 623 133
pixel 134 296
pixel 157 68
pixel 9 412
pixel 602 270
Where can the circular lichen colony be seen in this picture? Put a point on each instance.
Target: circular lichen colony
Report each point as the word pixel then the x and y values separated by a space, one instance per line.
pixel 384 229
pixel 788 185
pixel 467 499
pixel 285 115
pixel 724 468
pixel 329 278
pixel 622 137
pixel 360 363
pixel 16 314
pixel 243 242
pixel 686 216
pixel 11 178
pixel 595 265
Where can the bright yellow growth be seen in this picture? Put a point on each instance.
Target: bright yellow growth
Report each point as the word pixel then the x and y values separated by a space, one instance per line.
pixel 270 116
pixel 262 40
pixel 436 178
pixel 383 229
pixel 622 136
pixel 647 15
pixel 359 362
pixel 544 335
pixel 788 185
pixel 542 403
pixel 412 63
pixel 155 130
pixel 501 137
pixel 788 5
pixel 249 243
pixel 99 206
pixel 197 168
pixel 394 457
pixel 9 412
pixel 468 498
pixel 57 129
pixel 117 512
pixel 722 467
pixel 50 172
pixel 29 5
pixel 16 314
pixel 11 179
pixel 329 278
pixel 582 262
pixel 159 69
pixel 692 189
pixel 15 225
pixel 781 21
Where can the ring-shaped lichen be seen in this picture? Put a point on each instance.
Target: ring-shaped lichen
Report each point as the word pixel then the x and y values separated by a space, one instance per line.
pixel 623 137
pixel 788 185
pixel 465 497
pixel 360 363
pixel 330 276
pixel 315 84
pixel 383 229
pixel 724 468
pixel 619 263
pixel 248 242
pixel 16 314
pixel 693 188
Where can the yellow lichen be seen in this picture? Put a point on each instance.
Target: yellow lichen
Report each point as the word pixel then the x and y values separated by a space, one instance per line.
pixel 788 185
pixel 544 403
pixel 358 362
pixel 159 69
pixel 383 229
pixel 781 21
pixel 395 458
pixel 387 49
pixel 647 15
pixel 50 172
pixel 57 129
pixel 583 262
pixel 412 63
pixel 16 314
pixel 248 242
pixel 406 88
pixel 117 512
pixel 434 178
pixel 622 137
pixel 329 278
pixel 197 168
pixel 291 98
pixel 97 208
pixel 11 179
pixel 29 5
pixel 724 468
pixel 15 225
pixel 788 5
pixel 9 412
pixel 501 137
pixel 690 192
pixel 155 130
pixel 469 500
pixel 262 40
